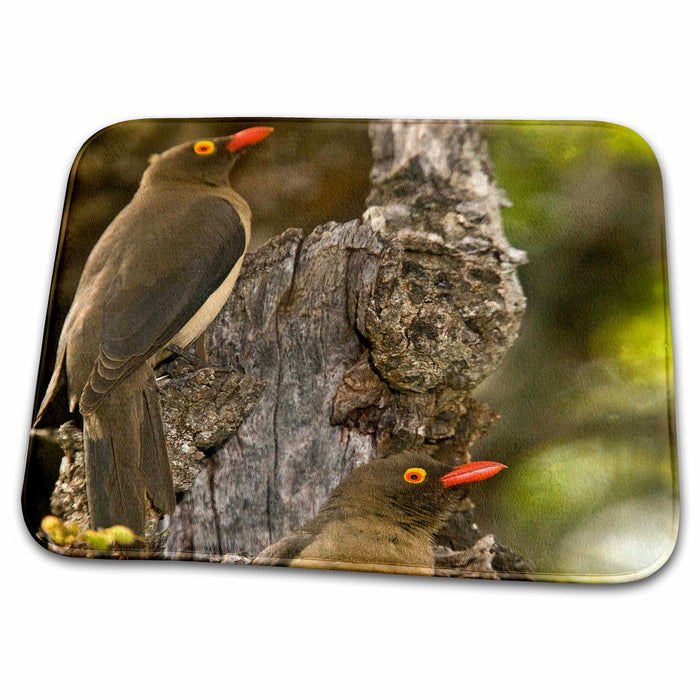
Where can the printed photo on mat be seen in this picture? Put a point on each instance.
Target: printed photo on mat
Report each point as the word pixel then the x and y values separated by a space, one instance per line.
pixel 434 348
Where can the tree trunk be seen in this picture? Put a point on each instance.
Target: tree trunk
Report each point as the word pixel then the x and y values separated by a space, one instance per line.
pixel 369 337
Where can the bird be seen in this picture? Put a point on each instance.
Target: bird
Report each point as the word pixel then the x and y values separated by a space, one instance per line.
pixel 156 278
pixel 382 517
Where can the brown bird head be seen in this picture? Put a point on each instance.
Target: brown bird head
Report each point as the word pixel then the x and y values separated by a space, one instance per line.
pixel 410 488
pixel 206 160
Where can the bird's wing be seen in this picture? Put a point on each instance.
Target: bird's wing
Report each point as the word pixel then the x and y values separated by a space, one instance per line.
pixel 282 553
pixel 55 383
pixel 141 316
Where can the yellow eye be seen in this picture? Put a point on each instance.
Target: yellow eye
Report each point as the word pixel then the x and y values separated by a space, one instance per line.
pixel 415 475
pixel 204 148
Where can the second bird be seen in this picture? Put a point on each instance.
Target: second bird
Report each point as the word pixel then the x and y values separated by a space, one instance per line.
pixel 158 275
pixel 382 517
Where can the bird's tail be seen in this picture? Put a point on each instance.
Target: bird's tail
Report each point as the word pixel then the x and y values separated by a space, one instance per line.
pixel 125 456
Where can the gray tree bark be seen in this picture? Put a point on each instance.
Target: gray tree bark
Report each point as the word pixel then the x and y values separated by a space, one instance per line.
pixel 369 337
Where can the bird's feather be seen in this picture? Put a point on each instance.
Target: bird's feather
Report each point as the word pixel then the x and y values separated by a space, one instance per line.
pixel 148 303
pixel 114 475
pixel 121 470
pixel 282 553
pixel 57 380
pixel 154 455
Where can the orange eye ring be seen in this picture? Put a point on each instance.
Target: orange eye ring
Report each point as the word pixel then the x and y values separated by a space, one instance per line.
pixel 415 475
pixel 204 148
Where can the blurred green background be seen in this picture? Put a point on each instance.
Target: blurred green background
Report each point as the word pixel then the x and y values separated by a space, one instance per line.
pixel 586 394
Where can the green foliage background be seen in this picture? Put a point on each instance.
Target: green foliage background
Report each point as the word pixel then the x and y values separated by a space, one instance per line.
pixel 586 394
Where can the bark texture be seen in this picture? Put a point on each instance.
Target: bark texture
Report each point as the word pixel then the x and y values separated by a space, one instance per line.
pixel 369 336
pixel 201 408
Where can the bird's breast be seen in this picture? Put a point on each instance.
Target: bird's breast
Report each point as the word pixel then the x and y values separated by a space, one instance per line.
pixel 368 545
